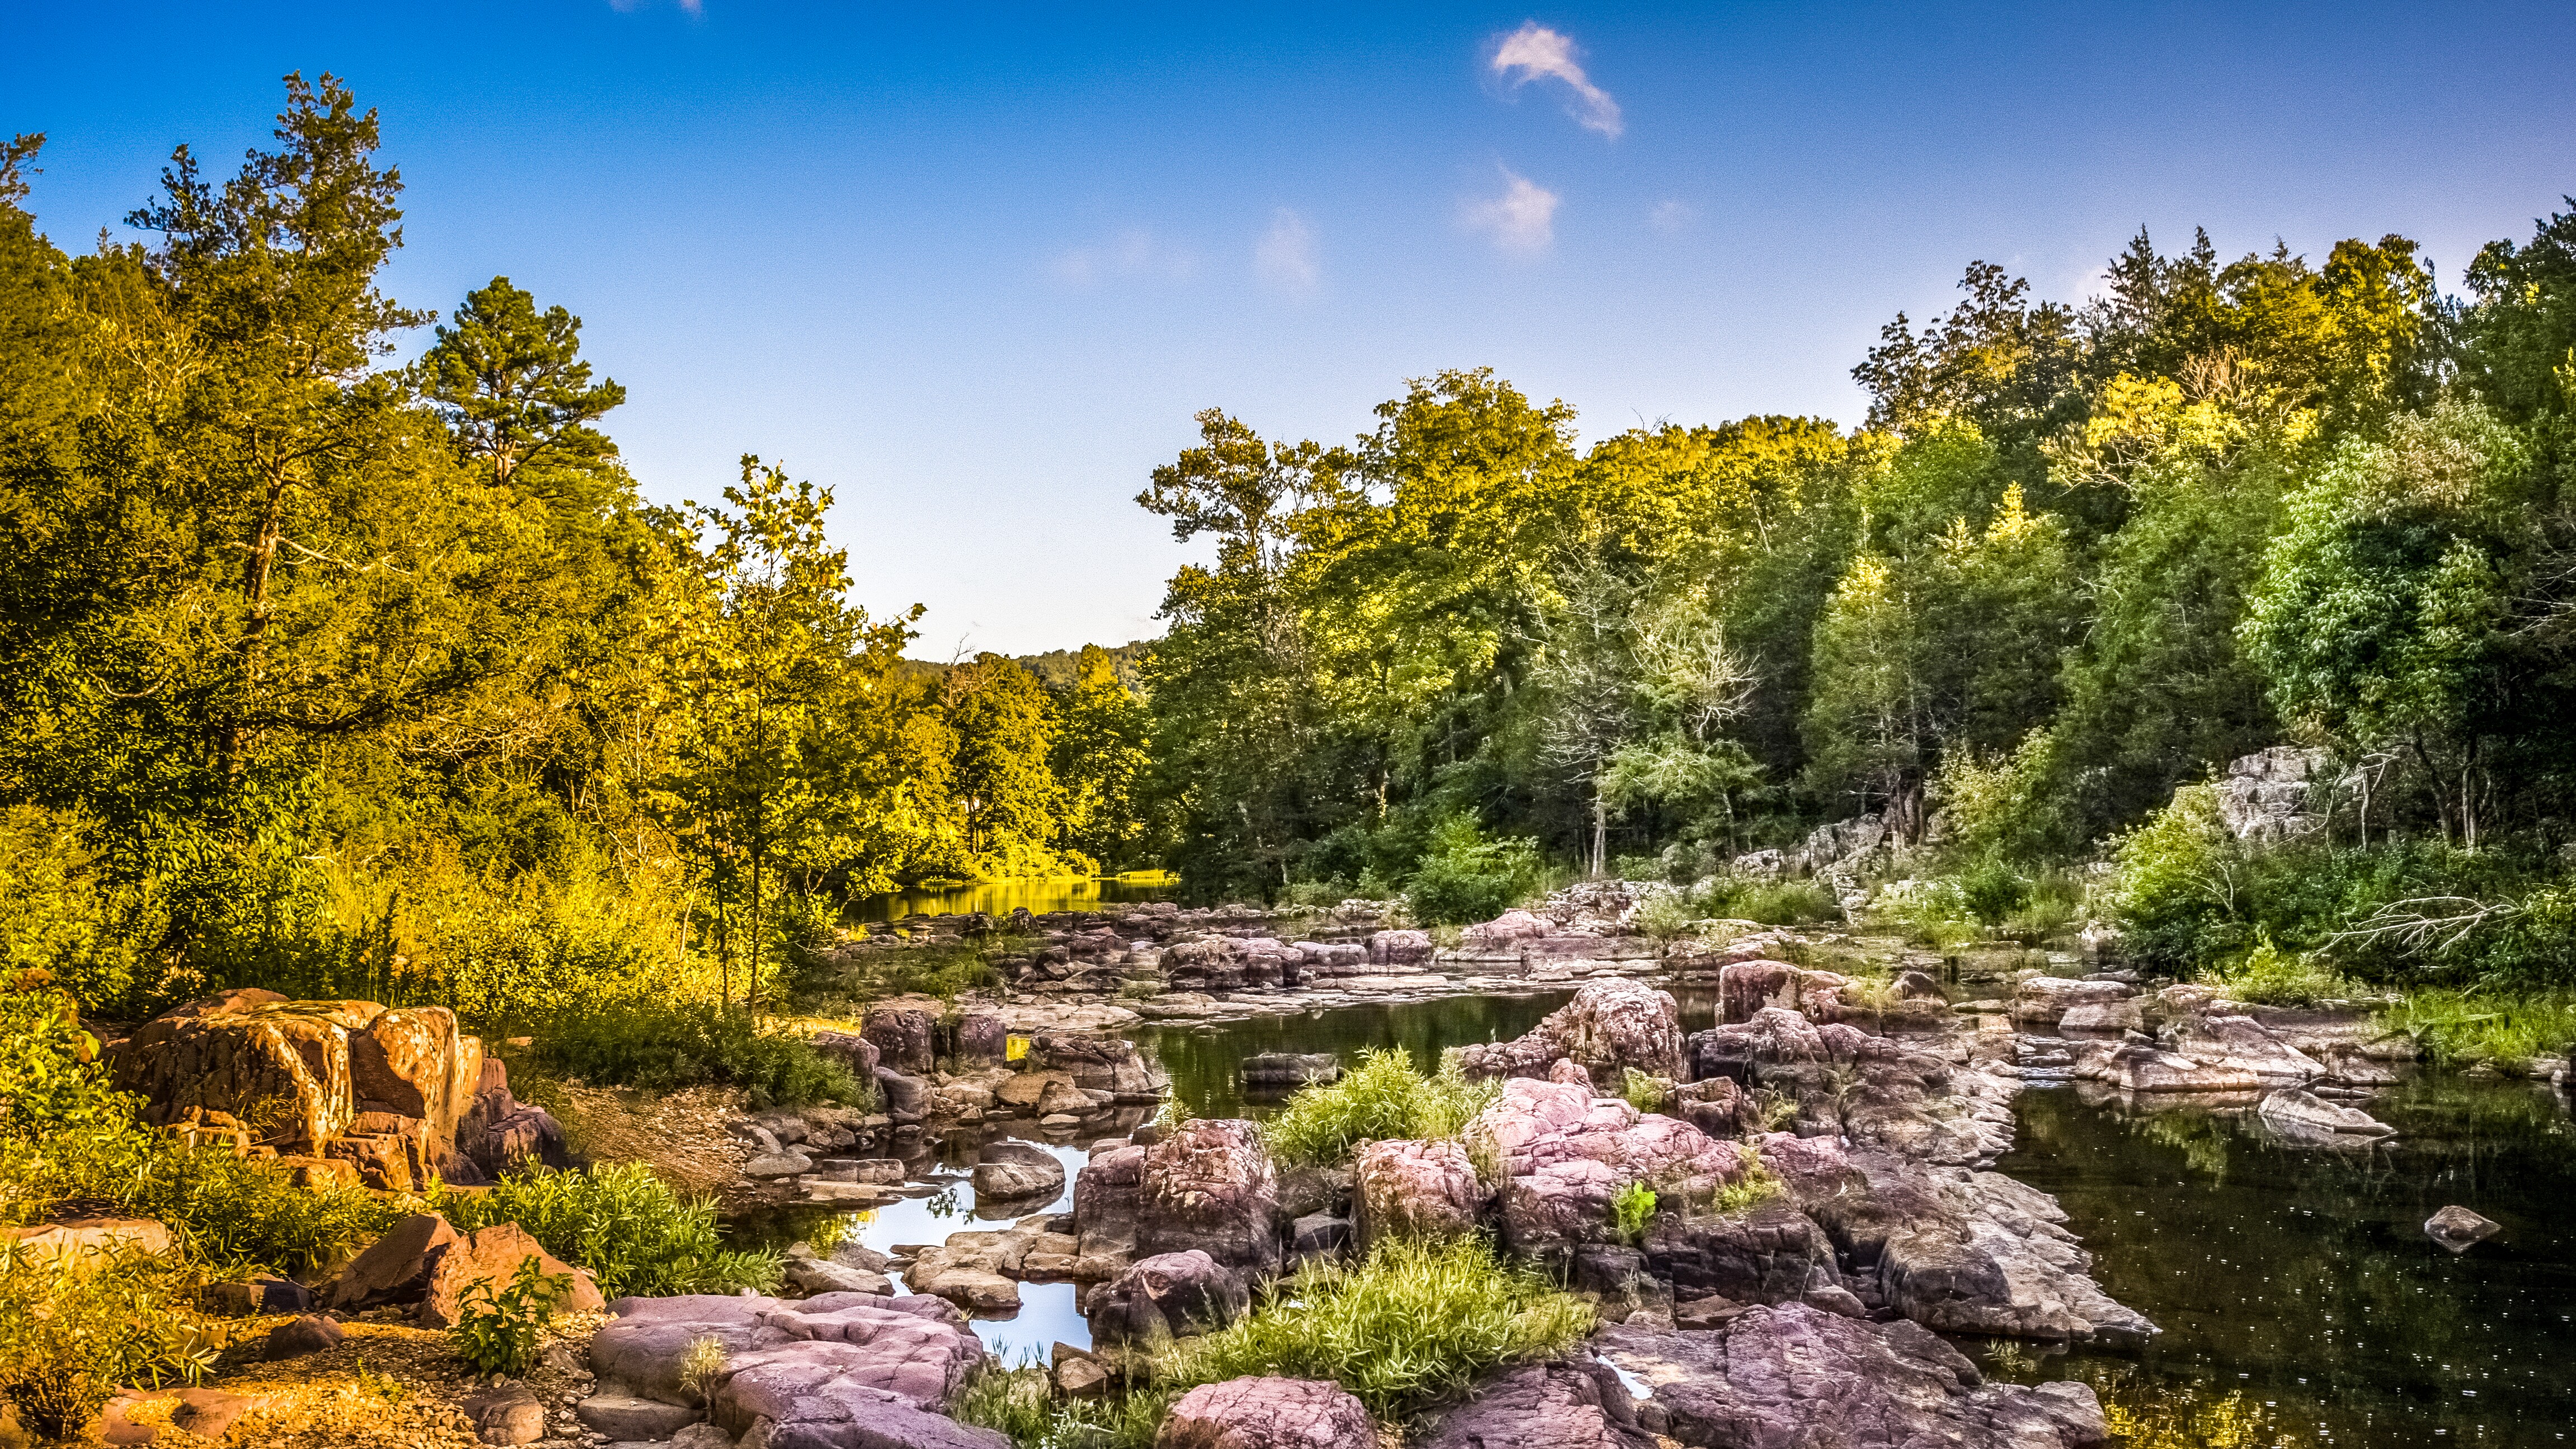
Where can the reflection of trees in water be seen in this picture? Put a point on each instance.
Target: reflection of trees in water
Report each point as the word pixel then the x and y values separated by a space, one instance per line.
pixel 1204 1063
pixel 2308 1270
pixel 2148 1415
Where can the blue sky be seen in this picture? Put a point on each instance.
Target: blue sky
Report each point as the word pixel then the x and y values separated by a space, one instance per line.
pixel 975 272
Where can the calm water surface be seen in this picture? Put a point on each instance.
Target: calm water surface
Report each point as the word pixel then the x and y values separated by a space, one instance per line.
pixel 2302 1302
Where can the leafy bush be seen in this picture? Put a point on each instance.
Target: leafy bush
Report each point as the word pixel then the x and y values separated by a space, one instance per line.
pixel 2269 976
pixel 1630 1210
pixel 1931 912
pixel 2181 885
pixel 1382 1098
pixel 1665 915
pixel 496 1330
pixel 664 1046
pixel 1466 878
pixel 1992 891
pixel 635 1235
pixel 1417 1321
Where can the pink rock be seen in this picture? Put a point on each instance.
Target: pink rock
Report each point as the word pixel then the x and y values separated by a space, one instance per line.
pixel 1210 1186
pixel 1566 1153
pixel 1426 1189
pixel 1267 1413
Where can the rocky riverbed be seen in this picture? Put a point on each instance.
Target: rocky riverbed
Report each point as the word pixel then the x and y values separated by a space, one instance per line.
pixel 1845 1198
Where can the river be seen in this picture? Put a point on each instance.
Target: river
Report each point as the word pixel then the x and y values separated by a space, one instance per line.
pixel 2302 1304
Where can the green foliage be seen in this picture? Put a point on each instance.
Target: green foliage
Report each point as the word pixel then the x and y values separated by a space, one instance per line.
pixel 497 1330
pixel 2181 894
pixel 663 1046
pixel 1466 878
pixel 1383 1098
pixel 702 1367
pixel 1413 1323
pixel 1020 1404
pixel 1756 1184
pixel 2457 1027
pixel 1629 1211
pixel 75 1327
pixel 1771 902
pixel 637 1237
pixel 1992 891
pixel 2269 976
pixel 1664 916
pixel 1644 1091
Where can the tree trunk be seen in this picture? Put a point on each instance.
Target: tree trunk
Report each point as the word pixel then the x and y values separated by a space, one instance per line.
pixel 1600 832
pixel 233 739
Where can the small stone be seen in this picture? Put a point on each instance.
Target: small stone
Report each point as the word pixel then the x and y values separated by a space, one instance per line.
pixel 208 1413
pixel 310 1334
pixel 778 1164
pixel 1080 1378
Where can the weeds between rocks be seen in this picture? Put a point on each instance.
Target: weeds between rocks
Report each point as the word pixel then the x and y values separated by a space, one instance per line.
pixel 665 1046
pixel 635 1235
pixel 1384 1098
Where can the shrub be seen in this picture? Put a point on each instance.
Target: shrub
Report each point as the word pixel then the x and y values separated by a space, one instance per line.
pixel 1415 1322
pixel 702 1366
pixel 1382 1098
pixel 75 1326
pixel 664 1046
pixel 2181 885
pixel 1630 1210
pixel 2458 1027
pixel 1992 891
pixel 1020 1405
pixel 1665 915
pixel 1931 912
pixel 496 1330
pixel 2269 976
pixel 634 1234
pixel 1466 878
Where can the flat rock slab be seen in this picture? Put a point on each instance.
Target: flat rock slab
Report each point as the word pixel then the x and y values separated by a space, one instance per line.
pixel 1797 1377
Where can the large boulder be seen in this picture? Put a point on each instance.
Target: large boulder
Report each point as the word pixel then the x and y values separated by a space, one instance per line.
pixel 1608 1028
pixel 395 1267
pixel 1798 1377
pixel 917 1349
pixel 1163 1297
pixel 1099 1063
pixel 491 1257
pixel 412 1062
pixel 2045 1000
pixel 1575 1403
pixel 904 1038
pixel 280 1068
pixel 1565 1153
pixel 1106 1196
pixel 851 1050
pixel 2240 1043
pixel 1399 948
pixel 1416 1189
pixel 977 1040
pixel 1210 1186
pixel 1267 1413
pixel 1017 1170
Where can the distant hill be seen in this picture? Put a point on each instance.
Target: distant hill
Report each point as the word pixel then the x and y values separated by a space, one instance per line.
pixel 1055 668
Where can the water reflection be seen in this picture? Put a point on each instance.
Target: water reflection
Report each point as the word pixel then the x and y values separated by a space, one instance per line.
pixel 1206 1061
pixel 1001 897
pixel 2297 1286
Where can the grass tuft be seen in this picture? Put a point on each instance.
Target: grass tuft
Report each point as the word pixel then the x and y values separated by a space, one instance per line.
pixel 634 1234
pixel 1385 1097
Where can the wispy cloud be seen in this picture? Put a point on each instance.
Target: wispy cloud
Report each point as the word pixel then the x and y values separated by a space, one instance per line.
pixel 1285 257
pixel 628 7
pixel 1535 52
pixel 1522 219
pixel 1670 215
pixel 1132 253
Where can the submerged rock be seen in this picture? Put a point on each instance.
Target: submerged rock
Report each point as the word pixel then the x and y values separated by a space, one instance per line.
pixel 2459 1229
pixel 1799 1377
pixel 2303 1115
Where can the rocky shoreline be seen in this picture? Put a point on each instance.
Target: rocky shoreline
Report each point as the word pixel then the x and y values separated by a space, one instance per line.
pixel 1820 1159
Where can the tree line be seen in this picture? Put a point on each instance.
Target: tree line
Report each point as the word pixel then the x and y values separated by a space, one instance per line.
pixel 347 677
pixel 2079 555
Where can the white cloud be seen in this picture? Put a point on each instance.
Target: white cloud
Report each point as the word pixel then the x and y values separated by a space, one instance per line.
pixel 1285 258
pixel 1669 215
pixel 1534 52
pixel 1134 252
pixel 1522 219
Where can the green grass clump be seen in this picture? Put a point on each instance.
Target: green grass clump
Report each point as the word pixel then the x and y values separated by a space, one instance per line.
pixel 1020 1405
pixel 2271 977
pixel 76 1326
pixel 634 1234
pixel 1771 902
pixel 1384 1097
pixel 1757 1186
pixel 1415 1322
pixel 665 1046
pixel 1630 1210
pixel 2459 1027
pixel 1644 1091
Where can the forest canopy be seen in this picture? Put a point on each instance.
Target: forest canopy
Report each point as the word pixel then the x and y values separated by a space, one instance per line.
pixel 357 677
